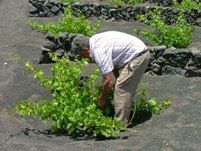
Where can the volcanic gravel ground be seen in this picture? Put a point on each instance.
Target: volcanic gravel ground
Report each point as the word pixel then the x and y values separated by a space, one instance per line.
pixel 176 128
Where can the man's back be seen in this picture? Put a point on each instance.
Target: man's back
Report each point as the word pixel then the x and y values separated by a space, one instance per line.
pixel 114 48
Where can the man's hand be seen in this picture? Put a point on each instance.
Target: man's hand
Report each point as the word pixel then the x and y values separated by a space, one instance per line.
pixel 107 86
pixel 101 103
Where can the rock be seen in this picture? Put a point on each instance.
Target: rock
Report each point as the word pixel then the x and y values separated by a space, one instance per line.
pixel 72 36
pixel 198 22
pixel 156 68
pixel 182 56
pixel 55 9
pixel 157 50
pixel 50 45
pixel 196 57
pixel 63 37
pixel 50 14
pixel 45 58
pixel 41 14
pixel 173 70
pixel 50 37
pixel 46 10
pixel 46 49
pixel 32 9
pixel 193 72
pixel 60 53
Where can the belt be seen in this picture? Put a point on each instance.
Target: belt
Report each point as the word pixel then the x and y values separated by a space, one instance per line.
pixel 141 53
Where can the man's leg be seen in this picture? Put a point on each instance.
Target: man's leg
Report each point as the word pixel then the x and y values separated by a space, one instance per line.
pixel 126 85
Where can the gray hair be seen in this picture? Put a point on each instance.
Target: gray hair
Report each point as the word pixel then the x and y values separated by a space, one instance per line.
pixel 78 43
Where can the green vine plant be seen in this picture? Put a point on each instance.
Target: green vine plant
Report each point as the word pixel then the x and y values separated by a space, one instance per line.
pixel 68 1
pixel 177 35
pixel 68 23
pixel 187 5
pixel 124 2
pixel 73 107
pixel 145 105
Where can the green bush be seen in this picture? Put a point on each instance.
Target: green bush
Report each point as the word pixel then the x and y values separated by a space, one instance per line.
pixel 73 106
pixel 68 23
pixel 187 5
pixel 68 1
pixel 177 35
pixel 124 2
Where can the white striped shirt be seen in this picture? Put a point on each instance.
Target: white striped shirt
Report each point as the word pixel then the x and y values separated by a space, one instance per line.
pixel 114 49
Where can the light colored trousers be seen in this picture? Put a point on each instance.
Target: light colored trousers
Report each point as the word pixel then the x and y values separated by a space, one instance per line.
pixel 126 86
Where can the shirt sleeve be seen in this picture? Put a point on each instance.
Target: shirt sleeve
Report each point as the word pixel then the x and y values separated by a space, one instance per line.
pixel 104 62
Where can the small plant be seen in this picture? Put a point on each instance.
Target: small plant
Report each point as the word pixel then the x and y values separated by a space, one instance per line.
pixel 73 107
pixel 124 2
pixel 187 5
pixel 68 1
pixel 177 35
pixel 68 23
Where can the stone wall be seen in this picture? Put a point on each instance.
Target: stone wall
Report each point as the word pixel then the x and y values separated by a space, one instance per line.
pixel 48 8
pixel 45 8
pixel 163 61
pixel 130 13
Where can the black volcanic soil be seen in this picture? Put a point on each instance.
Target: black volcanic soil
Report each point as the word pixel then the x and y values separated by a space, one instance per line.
pixel 176 128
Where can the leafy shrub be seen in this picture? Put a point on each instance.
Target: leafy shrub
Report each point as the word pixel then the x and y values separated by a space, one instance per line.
pixel 73 107
pixel 177 35
pixel 69 24
pixel 187 5
pixel 124 2
pixel 68 1
pixel 152 105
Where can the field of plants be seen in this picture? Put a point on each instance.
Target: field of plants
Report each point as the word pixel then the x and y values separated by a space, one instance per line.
pixel 73 107
pixel 65 99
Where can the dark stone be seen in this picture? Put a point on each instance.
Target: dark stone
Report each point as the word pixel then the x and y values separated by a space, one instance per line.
pixel 45 58
pixel 63 37
pixel 39 6
pixel 50 37
pixel 198 22
pixel 177 58
pixel 60 53
pixel 113 12
pixel 165 3
pixel 41 14
pixel 157 50
pixel 72 36
pixel 156 69
pixel 96 13
pixel 53 1
pixel 182 56
pixel 196 57
pixel 46 10
pixel 55 9
pixel 50 14
pixel 193 72
pixel 32 9
pixel 173 70
pixel 160 60
pixel 104 12
pixel 50 45
pixel 46 49
pixel 33 2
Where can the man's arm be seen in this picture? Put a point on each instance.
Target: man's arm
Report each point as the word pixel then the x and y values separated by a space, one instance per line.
pixel 108 83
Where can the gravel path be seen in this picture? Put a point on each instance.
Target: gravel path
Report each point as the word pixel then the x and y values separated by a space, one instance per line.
pixel 177 128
